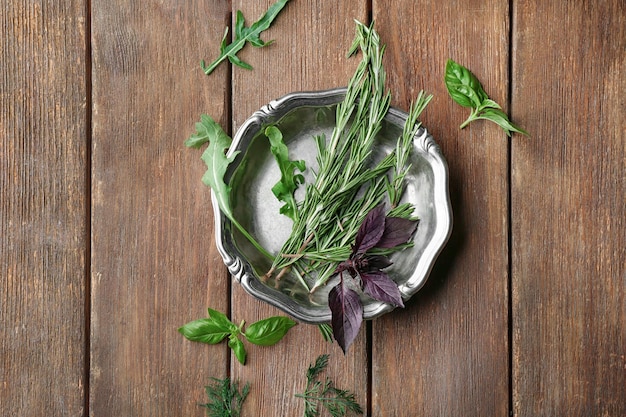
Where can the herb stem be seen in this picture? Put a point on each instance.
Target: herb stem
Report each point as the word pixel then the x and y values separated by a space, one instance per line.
pixel 251 239
pixel 470 119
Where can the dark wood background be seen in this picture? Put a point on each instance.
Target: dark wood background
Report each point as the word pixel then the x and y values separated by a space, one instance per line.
pixel 106 231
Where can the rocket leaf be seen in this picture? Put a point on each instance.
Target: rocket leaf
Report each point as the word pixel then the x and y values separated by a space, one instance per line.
pixel 214 156
pixel 245 34
pixel 285 188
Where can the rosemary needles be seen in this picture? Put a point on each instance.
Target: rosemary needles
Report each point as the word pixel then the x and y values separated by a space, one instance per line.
pixel 348 185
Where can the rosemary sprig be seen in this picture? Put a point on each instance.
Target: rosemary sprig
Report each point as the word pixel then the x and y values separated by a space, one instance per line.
pixel 224 398
pixel 403 148
pixel 337 401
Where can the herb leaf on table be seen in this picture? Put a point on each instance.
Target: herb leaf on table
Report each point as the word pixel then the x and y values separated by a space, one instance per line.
pixel 318 393
pixel 217 327
pixel 211 330
pixel 268 331
pixel 225 399
pixel 466 90
pixel 245 34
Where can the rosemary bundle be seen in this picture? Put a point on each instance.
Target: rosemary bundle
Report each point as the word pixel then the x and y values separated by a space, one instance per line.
pixel 347 187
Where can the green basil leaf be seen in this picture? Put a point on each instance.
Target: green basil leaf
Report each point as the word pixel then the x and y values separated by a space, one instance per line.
pixel 463 86
pixel 268 331
pixel 489 104
pixel 238 348
pixel 222 320
pixel 502 120
pixel 205 331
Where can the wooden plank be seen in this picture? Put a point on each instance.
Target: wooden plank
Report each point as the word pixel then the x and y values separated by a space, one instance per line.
pixel 43 208
pixel 568 211
pixel 154 262
pixel 311 41
pixel 446 353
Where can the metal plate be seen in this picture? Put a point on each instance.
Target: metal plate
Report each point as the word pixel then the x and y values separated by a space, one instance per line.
pixel 301 116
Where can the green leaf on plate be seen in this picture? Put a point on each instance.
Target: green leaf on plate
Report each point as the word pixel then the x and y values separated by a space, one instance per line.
pixel 289 181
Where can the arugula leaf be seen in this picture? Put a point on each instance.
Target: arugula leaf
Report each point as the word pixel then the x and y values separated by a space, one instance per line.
pixel 466 90
pixel 285 188
pixel 268 331
pixel 214 156
pixel 245 34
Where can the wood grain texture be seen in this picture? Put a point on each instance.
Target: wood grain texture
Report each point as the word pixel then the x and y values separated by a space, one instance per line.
pixel 568 201
pixel 154 262
pixel 102 259
pixel 311 41
pixel 446 353
pixel 43 209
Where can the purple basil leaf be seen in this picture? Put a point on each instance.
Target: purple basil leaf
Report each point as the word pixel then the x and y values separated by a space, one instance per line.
pixel 397 231
pixel 379 286
pixel 376 262
pixel 347 314
pixel 371 230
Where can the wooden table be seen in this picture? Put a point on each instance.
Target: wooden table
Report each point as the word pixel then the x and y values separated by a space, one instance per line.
pixel 107 242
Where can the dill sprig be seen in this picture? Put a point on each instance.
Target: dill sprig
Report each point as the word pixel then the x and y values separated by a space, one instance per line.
pixel 224 398
pixel 338 402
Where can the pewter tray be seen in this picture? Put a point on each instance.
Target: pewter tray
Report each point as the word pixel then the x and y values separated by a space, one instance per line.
pixel 301 116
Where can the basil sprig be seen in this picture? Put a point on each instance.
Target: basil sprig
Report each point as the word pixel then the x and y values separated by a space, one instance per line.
pixel 466 90
pixel 215 328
